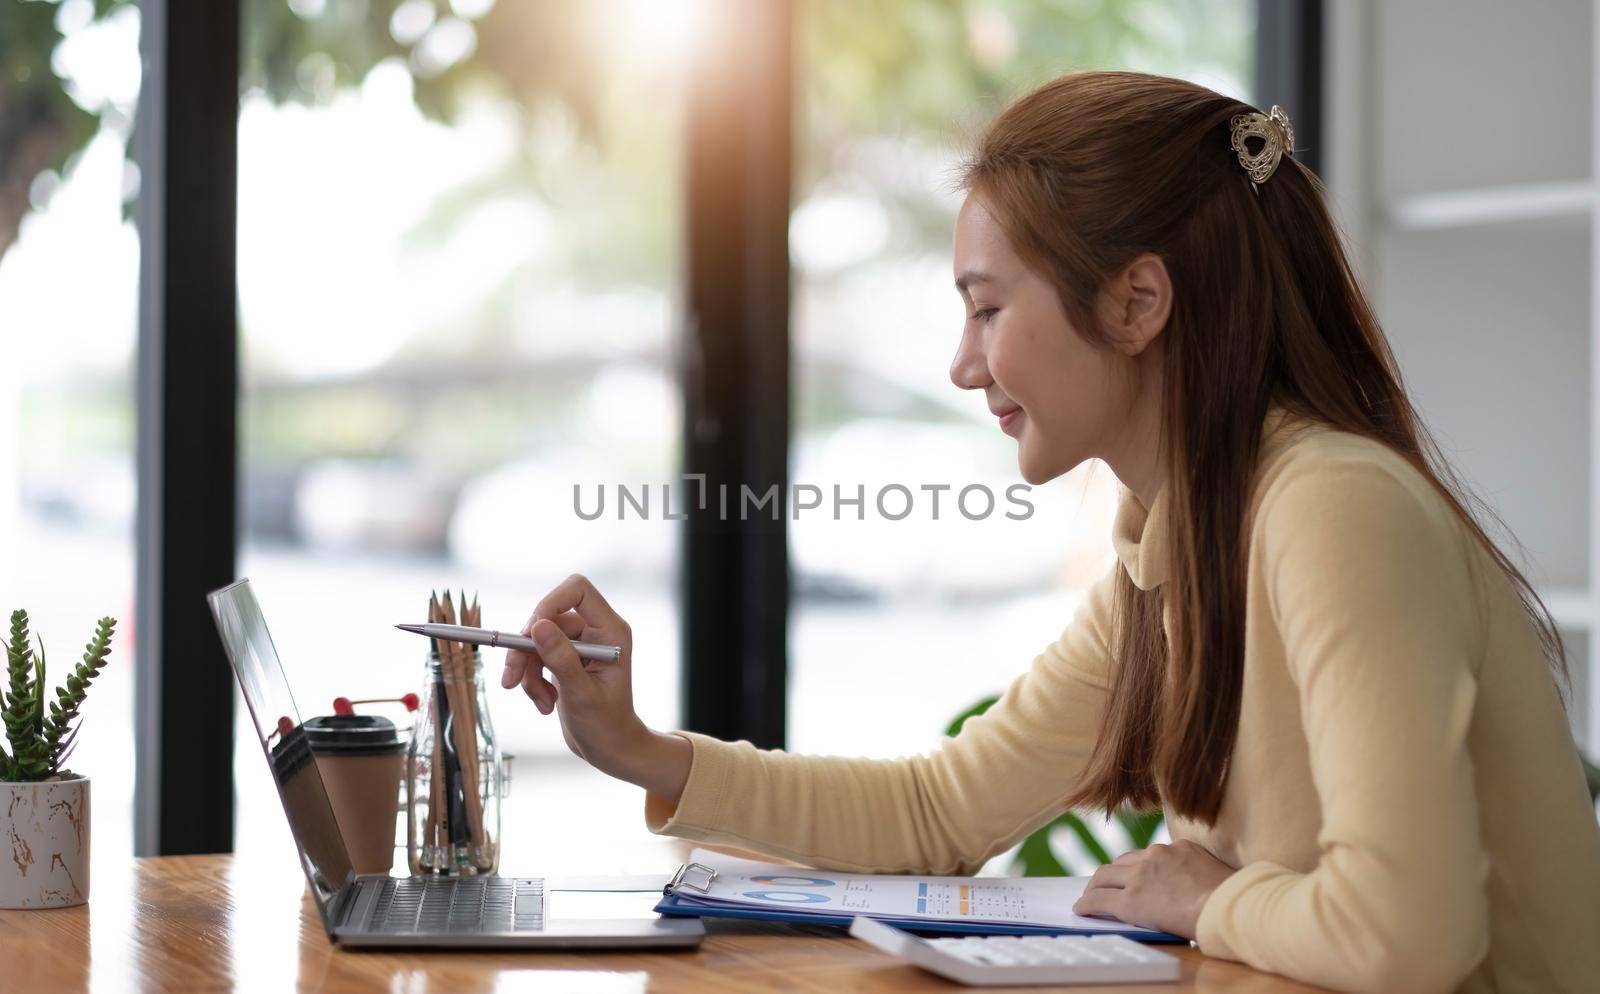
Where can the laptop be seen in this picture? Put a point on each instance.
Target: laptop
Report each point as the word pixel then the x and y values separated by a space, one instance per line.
pixel 378 910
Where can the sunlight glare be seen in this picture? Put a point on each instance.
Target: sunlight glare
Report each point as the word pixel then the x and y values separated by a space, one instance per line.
pixel 661 30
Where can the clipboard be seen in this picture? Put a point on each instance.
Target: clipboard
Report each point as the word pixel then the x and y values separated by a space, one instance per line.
pixel 688 895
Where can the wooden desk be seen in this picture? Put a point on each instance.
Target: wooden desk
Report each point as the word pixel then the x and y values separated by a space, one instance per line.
pixel 184 924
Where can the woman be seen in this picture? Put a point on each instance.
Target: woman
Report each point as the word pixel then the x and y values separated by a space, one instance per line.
pixel 1342 693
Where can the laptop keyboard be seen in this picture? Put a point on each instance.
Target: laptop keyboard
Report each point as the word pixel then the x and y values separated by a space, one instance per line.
pixel 458 905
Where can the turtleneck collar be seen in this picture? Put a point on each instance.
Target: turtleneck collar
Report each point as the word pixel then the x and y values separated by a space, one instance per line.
pixel 1140 534
pixel 1140 538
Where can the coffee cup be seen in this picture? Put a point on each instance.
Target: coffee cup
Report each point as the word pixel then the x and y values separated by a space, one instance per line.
pixel 361 758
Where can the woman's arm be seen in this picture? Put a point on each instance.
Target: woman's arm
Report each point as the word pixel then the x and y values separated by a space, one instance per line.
pixel 948 812
pixel 1370 584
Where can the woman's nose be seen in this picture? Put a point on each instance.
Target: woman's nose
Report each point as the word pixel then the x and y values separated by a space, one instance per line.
pixel 969 370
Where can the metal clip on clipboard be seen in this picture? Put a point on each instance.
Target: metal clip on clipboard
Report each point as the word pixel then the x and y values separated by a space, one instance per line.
pixel 682 878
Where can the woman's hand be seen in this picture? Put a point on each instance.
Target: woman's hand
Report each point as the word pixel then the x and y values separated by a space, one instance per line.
pixel 594 700
pixel 1160 887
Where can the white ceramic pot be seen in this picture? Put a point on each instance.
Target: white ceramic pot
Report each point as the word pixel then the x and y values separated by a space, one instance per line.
pixel 44 843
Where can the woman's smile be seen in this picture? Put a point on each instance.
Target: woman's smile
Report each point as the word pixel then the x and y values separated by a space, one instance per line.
pixel 1008 417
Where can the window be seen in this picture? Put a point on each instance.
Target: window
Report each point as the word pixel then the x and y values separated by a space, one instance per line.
pixel 459 230
pixel 458 243
pixel 69 273
pixel 898 625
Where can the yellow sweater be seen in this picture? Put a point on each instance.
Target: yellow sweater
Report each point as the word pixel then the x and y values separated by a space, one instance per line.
pixel 1405 804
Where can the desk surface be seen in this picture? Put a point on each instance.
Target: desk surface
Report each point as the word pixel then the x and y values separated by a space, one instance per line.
pixel 211 923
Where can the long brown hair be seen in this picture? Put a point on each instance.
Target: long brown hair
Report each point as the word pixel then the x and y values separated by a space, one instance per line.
pixel 1084 174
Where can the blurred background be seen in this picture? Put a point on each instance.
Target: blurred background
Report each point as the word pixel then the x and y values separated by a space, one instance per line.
pixel 460 238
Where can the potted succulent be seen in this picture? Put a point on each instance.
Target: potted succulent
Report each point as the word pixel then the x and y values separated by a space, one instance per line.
pixel 44 808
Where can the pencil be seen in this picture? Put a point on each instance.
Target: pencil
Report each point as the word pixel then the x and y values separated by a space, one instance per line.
pixel 463 705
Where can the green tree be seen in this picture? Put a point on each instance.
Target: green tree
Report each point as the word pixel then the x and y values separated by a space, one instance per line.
pixel 41 127
pixel 531 53
pixel 866 66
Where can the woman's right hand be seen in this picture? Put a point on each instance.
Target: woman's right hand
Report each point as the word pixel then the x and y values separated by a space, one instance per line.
pixel 594 700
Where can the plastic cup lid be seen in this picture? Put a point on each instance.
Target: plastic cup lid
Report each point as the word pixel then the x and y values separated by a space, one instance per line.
pixel 353 734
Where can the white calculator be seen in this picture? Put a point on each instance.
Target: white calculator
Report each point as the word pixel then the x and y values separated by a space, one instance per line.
pixel 998 960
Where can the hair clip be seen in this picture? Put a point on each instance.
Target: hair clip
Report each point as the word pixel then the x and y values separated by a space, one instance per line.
pixel 1276 134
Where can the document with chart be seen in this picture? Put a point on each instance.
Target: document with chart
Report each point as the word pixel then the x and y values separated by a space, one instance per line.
pixel 742 888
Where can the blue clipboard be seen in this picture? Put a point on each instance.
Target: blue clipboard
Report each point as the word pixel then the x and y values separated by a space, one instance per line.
pixel 678 904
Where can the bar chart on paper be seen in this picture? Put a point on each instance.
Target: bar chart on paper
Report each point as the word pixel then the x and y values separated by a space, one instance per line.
pixel 998 901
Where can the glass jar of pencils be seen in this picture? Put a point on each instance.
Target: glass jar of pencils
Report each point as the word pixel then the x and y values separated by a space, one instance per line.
pixel 454 780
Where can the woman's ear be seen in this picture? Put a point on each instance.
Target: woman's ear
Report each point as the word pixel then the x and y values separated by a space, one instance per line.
pixel 1136 303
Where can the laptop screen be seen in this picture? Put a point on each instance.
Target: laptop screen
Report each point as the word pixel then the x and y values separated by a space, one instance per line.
pixel 277 725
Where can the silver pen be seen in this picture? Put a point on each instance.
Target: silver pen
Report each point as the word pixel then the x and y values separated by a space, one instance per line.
pixel 503 640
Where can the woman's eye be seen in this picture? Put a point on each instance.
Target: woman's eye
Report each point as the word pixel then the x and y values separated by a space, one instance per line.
pixel 985 314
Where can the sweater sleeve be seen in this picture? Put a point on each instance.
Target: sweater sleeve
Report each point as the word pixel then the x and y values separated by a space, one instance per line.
pixel 1371 585
pixel 947 812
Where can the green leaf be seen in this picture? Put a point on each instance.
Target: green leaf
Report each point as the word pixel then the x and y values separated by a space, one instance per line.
pixel 38 687
pixel 54 733
pixel 1140 825
pixel 1085 835
pixel 20 709
pixel 972 712
pixel 1591 773
pixel 1036 859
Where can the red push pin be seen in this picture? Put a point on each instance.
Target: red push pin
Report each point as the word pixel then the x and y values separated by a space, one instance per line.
pixel 344 705
pixel 285 726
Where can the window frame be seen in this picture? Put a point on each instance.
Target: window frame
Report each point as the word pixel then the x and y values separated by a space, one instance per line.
pixel 186 145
